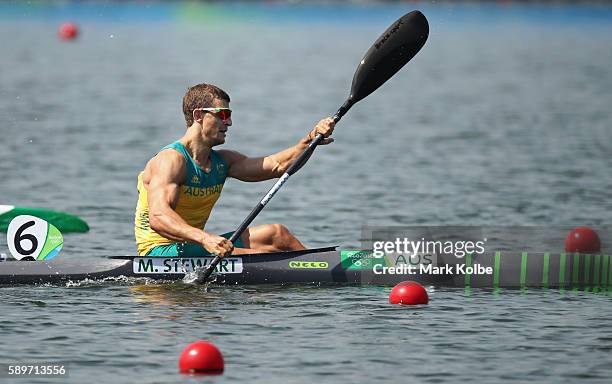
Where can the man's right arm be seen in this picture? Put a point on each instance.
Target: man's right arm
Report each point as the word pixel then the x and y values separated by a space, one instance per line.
pixel 165 174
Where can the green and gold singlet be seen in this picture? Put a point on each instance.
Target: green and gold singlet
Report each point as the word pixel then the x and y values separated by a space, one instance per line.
pixel 198 195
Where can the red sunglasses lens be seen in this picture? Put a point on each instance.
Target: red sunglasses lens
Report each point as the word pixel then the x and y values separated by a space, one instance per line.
pixel 224 114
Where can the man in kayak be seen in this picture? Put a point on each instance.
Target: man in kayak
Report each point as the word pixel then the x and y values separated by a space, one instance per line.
pixel 180 185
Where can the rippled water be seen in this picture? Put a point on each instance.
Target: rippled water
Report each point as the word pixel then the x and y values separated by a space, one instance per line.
pixel 503 119
pixel 300 334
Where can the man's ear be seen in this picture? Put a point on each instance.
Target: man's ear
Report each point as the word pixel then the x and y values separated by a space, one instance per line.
pixel 198 115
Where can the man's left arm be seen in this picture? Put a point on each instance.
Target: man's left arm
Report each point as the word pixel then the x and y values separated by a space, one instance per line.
pixel 246 168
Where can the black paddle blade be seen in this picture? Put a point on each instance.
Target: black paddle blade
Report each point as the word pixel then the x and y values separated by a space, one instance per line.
pixel 391 51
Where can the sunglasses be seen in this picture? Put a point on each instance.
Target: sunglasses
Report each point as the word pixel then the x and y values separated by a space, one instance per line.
pixel 222 113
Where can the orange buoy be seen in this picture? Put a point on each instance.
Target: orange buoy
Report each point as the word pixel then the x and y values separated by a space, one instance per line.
pixel 582 240
pixel 408 293
pixel 201 357
pixel 68 31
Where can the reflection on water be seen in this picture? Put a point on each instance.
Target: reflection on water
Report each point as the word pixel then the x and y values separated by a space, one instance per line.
pixel 170 294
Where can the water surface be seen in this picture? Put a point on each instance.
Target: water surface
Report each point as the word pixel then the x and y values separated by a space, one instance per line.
pixel 503 119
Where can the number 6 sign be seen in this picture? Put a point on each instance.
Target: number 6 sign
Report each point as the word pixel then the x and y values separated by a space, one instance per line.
pixel 32 238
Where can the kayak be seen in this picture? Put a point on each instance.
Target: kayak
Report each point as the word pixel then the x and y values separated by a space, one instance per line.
pixel 63 221
pixel 331 266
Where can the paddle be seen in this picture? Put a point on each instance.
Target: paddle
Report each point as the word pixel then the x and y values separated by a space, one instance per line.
pixel 390 52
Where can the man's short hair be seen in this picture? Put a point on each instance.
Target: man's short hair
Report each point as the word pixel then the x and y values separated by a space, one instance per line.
pixel 201 96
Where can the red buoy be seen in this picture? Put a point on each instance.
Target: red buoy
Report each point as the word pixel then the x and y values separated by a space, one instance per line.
pixel 201 357
pixel 68 31
pixel 582 240
pixel 408 293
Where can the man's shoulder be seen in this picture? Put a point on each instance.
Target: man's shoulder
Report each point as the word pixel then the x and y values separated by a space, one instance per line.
pixel 166 161
pixel 170 151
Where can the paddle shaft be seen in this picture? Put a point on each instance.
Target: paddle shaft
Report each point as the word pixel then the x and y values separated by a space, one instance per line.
pixel 295 166
pixel 390 52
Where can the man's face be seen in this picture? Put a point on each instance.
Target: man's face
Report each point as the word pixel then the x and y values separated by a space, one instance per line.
pixel 214 127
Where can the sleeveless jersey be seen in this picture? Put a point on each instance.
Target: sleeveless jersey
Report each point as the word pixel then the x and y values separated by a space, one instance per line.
pixel 198 195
